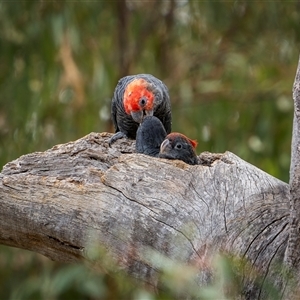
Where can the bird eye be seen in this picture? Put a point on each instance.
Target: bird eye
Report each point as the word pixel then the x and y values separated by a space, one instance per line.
pixel 143 101
pixel 178 146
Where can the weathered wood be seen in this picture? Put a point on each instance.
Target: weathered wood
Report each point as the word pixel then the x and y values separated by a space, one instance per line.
pixel 292 256
pixel 57 201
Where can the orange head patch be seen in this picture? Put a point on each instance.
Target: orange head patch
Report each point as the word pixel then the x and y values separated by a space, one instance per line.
pixel 135 91
pixel 174 135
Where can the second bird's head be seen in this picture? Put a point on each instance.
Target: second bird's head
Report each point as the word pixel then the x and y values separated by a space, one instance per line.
pixel 178 146
pixel 140 98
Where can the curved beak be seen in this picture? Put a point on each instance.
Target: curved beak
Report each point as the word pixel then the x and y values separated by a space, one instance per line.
pixel 149 112
pixel 137 116
pixel 164 146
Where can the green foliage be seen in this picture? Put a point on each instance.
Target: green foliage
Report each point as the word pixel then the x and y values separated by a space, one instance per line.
pixel 229 66
pixel 43 279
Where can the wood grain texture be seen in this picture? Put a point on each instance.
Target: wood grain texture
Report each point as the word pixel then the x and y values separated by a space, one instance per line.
pixel 56 202
pixel 292 255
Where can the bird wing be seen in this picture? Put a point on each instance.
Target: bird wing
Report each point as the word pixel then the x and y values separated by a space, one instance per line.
pixel 114 114
pixel 117 100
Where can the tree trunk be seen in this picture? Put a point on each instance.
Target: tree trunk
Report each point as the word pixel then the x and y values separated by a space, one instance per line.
pixel 58 201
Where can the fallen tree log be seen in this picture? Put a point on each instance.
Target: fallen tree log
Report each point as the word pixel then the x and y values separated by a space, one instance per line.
pixel 54 202
pixel 58 201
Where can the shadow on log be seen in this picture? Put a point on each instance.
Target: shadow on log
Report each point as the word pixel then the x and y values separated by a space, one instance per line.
pixel 57 201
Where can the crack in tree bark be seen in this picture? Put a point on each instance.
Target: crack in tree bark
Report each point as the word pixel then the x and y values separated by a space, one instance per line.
pixel 260 233
pixel 268 267
pixel 65 243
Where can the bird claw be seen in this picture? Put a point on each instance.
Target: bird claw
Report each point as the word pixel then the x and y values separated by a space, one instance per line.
pixel 118 135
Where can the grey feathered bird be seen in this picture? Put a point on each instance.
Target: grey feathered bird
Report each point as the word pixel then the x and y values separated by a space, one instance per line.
pixel 136 96
pixel 152 139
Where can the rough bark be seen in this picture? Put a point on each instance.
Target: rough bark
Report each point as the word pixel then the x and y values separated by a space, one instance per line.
pixel 56 201
pixel 292 257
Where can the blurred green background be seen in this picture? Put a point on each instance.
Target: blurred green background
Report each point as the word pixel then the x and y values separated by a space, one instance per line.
pixel 229 66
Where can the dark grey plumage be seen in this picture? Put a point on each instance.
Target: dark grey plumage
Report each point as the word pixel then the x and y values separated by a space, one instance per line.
pixel 126 124
pixel 152 139
pixel 149 136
